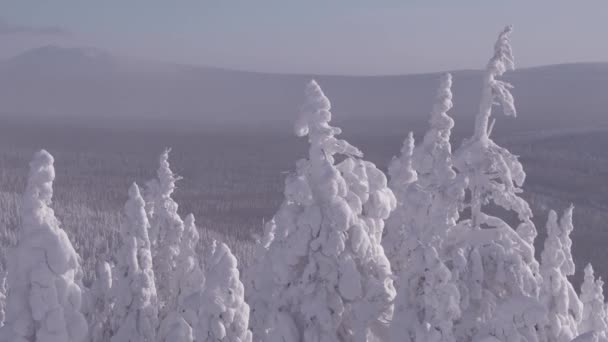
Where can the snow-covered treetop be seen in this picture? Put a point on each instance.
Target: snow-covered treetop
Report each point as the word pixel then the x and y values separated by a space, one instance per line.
pixel 496 91
pixel 314 122
pixel 191 236
pixel 433 155
pixel 136 215
pixel 166 177
pixel 39 189
pixel 566 227
pixel 400 168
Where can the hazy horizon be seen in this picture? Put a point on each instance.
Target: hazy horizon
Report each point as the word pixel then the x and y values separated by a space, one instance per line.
pixel 338 38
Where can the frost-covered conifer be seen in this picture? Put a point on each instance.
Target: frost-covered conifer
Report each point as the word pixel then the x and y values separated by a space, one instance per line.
pixel 166 227
pixel 190 275
pixel 101 304
pixel 329 276
pixel 220 312
pixel 594 311
pixel 497 273
pixel 258 286
pixel 3 291
pixel 135 314
pixel 44 297
pixel 426 211
pixel 557 294
pixel 397 239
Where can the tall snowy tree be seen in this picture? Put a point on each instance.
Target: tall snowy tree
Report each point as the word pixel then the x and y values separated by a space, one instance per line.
pixel 101 304
pixel 135 314
pixel 190 275
pixel 557 293
pixel 166 229
pixel 427 210
pixel 397 240
pixel 498 274
pixel 3 291
pixel 594 310
pixel 330 278
pixel 220 313
pixel 258 286
pixel 44 297
pixel 189 284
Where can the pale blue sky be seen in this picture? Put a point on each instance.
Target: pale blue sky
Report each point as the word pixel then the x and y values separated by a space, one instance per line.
pixel 332 36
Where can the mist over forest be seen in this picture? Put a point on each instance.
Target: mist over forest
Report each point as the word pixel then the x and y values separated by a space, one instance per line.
pixel 234 159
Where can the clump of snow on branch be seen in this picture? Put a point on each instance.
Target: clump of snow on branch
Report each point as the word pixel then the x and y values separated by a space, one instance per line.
pixel 135 316
pixel 330 279
pixel 44 300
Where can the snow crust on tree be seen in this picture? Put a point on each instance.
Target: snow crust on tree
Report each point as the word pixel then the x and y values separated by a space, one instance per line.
pixel 135 312
pixel 44 300
pixel 330 278
pixel 166 227
pixel 498 275
pixel 100 295
pixel 557 293
pixel 174 328
pixel 590 336
pixel 220 313
pixel 594 310
pixel 428 300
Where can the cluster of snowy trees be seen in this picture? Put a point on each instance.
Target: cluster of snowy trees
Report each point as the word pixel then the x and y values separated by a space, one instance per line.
pixel 350 255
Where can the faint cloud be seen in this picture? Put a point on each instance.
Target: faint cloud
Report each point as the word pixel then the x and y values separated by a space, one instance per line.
pixel 12 29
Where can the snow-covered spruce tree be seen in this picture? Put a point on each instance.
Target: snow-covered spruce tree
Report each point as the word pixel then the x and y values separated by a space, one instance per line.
pixel 397 240
pixel 259 282
pixel 220 312
pixel 557 294
pixel 594 311
pixel 44 297
pixel 190 275
pixel 3 291
pixel 135 312
pixel 190 285
pixel 427 209
pixel 101 304
pixel 330 278
pixel 497 273
pixel 166 229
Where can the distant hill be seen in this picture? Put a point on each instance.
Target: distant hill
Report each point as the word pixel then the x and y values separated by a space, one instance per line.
pixel 52 81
